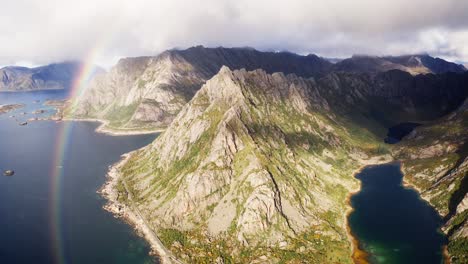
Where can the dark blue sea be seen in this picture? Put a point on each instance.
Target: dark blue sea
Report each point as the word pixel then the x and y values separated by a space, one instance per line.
pixel 49 209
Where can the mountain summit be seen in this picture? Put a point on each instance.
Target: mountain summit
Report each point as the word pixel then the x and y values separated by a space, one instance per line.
pixel 253 161
pixel 262 163
pixel 146 93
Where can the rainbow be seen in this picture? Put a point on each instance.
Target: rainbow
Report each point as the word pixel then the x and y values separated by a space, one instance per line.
pixel 62 141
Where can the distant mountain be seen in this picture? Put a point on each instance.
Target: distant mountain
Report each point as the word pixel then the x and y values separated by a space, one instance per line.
pixel 148 92
pixel 50 77
pixel 413 64
pixel 334 60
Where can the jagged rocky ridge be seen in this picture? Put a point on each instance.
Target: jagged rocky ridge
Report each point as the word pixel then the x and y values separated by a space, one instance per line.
pixel 263 163
pixel 254 163
pixel 49 77
pixel 148 92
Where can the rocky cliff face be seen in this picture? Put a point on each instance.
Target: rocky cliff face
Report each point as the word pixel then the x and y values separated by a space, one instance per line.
pixel 150 95
pixel 393 97
pixel 53 76
pixel 413 64
pixel 148 92
pixel 435 161
pixel 256 168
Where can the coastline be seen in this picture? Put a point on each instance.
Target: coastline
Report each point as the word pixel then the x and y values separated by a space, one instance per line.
pixel 409 185
pixel 358 255
pixel 32 90
pixel 131 214
pixel 104 129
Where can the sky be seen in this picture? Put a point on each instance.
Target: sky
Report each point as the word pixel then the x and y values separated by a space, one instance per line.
pixel 34 32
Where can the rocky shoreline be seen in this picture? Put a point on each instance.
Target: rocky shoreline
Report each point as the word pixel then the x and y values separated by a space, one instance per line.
pixel 131 214
pixel 359 256
pixel 104 129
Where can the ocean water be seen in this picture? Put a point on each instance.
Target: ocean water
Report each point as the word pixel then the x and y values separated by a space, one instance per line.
pixel 392 223
pixel 49 210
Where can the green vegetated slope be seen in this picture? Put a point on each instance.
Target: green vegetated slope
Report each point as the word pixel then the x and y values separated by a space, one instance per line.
pixel 148 92
pixel 255 167
pixel 435 161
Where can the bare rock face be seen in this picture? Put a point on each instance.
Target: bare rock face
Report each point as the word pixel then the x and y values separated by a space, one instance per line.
pixel 246 165
pixel 165 83
pixel 148 92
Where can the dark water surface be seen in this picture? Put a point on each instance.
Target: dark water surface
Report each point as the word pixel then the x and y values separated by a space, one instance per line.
pixel 391 222
pixel 29 231
pixel 399 131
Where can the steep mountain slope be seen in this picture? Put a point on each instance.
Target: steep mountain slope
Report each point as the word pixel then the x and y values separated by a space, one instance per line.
pixel 392 97
pixel 431 64
pixel 413 64
pixel 149 95
pixel 255 167
pixel 53 76
pixel 435 161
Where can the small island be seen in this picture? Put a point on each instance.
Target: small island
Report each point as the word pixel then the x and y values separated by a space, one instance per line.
pixel 8 173
pixel 55 103
pixel 10 107
pixel 39 111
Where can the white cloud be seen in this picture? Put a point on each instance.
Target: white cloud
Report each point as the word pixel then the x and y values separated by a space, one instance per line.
pixel 52 30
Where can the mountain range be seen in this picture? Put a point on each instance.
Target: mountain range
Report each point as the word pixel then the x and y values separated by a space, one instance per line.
pixel 50 77
pixel 146 93
pixel 414 64
pixel 259 150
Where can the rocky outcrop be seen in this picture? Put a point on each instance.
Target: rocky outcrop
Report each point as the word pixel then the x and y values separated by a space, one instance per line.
pixel 253 163
pixel 49 77
pixel 148 92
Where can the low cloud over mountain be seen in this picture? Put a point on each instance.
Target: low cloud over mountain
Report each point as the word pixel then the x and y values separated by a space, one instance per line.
pixel 41 32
